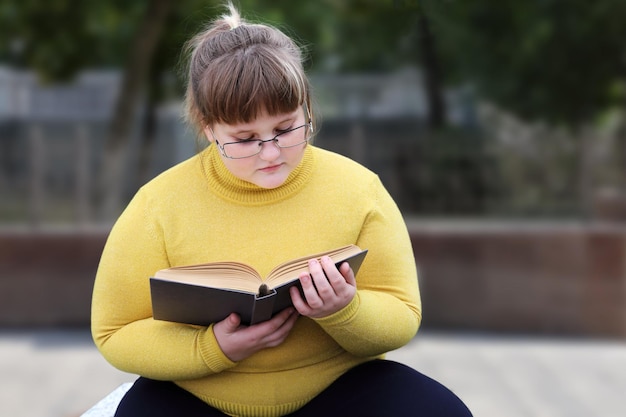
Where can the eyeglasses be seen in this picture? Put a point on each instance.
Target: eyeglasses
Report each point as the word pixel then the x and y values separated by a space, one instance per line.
pixel 246 148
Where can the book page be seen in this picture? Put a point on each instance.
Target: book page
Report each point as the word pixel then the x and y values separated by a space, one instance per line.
pixel 230 275
pixel 242 277
pixel 292 269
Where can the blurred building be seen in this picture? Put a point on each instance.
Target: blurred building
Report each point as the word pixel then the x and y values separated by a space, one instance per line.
pixel 89 98
pixel 52 136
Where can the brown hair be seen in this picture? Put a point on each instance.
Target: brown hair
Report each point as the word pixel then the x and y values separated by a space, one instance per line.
pixel 238 69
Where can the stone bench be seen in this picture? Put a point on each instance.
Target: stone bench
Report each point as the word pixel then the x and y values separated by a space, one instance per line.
pixel 106 407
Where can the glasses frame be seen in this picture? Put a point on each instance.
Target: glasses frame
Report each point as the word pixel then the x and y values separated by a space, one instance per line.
pixel 308 129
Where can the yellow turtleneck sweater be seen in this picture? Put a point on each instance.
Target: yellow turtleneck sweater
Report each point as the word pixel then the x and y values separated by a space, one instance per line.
pixel 198 212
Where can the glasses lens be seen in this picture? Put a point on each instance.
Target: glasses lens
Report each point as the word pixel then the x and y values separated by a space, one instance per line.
pixel 248 148
pixel 243 149
pixel 291 137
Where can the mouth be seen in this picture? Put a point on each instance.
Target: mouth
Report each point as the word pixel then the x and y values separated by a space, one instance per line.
pixel 270 169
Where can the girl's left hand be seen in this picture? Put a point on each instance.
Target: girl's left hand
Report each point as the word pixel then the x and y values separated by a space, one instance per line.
pixel 326 288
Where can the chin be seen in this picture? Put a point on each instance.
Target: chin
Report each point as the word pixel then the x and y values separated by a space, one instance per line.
pixel 269 184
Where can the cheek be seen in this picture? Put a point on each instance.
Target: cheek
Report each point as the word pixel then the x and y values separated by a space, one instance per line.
pixel 239 167
pixel 295 155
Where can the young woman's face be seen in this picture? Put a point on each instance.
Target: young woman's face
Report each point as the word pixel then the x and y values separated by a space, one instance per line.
pixel 272 165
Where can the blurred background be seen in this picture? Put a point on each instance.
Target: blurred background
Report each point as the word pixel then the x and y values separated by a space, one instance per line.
pixel 499 127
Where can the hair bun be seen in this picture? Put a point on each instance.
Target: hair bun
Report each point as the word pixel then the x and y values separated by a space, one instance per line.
pixel 234 18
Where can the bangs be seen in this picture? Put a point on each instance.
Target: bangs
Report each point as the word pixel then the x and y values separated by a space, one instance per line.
pixel 240 87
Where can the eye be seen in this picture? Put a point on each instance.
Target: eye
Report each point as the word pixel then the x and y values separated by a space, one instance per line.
pixel 281 131
pixel 246 140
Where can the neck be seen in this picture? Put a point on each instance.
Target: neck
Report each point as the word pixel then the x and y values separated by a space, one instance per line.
pixel 222 182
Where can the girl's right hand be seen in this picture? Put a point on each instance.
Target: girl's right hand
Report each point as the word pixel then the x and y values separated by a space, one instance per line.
pixel 239 342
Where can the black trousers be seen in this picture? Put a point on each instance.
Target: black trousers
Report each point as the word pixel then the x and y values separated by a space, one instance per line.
pixel 379 388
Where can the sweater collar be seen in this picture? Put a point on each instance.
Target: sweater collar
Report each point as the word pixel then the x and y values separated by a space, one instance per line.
pixel 223 183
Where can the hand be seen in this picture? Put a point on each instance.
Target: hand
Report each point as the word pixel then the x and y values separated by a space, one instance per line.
pixel 239 342
pixel 324 296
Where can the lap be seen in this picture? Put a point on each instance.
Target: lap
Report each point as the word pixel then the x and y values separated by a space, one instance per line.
pixel 151 398
pixel 385 388
pixel 377 388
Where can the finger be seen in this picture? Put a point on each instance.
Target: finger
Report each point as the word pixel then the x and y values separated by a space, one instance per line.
pixel 298 302
pixel 288 324
pixel 280 334
pixel 348 274
pixel 232 323
pixel 257 334
pixel 344 289
pixel 311 297
pixel 334 276
pixel 278 320
pixel 324 288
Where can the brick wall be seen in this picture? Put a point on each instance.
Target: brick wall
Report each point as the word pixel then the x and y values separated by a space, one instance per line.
pixel 46 278
pixel 520 278
pixel 564 279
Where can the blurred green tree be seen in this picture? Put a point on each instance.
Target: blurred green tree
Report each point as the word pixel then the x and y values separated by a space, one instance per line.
pixel 560 61
pixel 553 61
pixel 380 36
pixel 58 38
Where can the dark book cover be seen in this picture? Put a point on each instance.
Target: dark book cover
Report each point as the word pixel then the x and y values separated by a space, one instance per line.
pixel 202 305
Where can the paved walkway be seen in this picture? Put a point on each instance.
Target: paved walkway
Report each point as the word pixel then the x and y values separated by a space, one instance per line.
pixel 59 373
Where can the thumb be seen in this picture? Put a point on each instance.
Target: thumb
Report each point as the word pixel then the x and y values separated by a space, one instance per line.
pixel 347 273
pixel 233 321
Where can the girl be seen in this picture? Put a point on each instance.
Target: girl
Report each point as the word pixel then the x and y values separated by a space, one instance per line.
pixel 262 194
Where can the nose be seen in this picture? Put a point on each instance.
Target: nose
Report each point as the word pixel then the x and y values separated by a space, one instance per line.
pixel 269 150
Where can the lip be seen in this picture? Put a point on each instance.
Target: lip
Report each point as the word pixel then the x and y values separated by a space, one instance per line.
pixel 270 169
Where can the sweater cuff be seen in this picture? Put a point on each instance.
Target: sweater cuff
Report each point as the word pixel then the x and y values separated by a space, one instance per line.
pixel 211 352
pixel 343 316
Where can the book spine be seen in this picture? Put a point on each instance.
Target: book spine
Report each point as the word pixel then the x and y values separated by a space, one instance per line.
pixel 263 307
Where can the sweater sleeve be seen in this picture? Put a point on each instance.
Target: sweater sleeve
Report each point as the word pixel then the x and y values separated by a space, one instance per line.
pixel 122 324
pixel 386 312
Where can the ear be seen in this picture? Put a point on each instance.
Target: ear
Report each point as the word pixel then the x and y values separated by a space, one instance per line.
pixel 208 134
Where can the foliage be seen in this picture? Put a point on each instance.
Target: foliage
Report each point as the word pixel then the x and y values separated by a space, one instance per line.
pixel 561 61
pixel 558 61
pixel 448 172
pixel 58 38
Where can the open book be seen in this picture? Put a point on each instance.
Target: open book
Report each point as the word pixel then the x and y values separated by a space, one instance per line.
pixel 207 293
